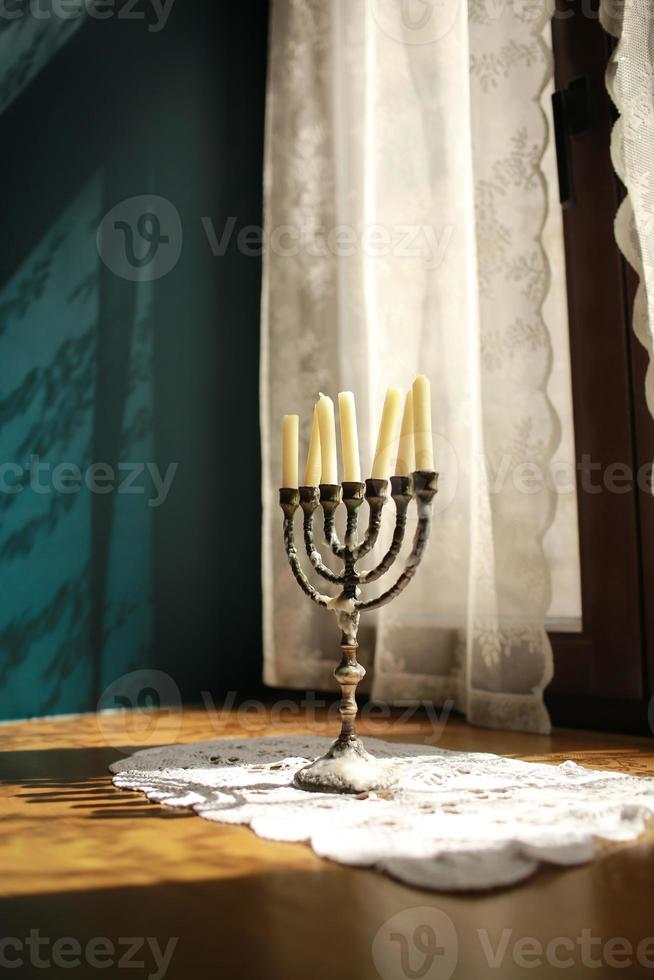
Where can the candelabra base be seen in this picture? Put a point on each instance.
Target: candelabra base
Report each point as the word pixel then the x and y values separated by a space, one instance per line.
pixel 346 768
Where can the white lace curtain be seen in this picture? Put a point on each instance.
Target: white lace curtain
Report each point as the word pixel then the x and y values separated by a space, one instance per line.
pixel 630 82
pixel 406 204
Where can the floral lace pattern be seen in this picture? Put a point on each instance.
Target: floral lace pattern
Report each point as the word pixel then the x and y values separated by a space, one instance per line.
pixel 454 820
pixel 405 205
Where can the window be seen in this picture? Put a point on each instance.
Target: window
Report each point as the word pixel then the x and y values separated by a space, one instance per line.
pixel 601 673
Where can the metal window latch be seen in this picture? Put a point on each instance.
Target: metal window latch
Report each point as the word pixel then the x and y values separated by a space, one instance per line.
pixel 572 109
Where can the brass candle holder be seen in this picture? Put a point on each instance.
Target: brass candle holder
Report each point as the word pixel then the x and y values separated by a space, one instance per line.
pixel 347 767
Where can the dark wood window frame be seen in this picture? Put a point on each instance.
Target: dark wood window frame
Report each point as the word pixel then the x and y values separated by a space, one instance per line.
pixel 602 675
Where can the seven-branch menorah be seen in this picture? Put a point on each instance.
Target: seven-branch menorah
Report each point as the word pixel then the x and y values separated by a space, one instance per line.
pixel 347 767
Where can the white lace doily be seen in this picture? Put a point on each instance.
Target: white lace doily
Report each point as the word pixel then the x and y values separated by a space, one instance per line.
pixel 455 820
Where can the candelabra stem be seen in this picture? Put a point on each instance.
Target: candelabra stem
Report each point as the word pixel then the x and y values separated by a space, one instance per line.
pixel 347 767
pixel 348 674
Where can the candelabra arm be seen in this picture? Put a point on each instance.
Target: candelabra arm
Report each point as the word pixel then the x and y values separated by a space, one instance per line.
pixel 425 487
pixel 289 499
pixel 353 494
pixel 309 502
pixel 401 492
pixel 330 498
pixel 376 494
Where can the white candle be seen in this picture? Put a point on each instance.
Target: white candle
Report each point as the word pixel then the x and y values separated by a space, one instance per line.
pixel 406 456
pixel 387 434
pixel 312 470
pixel 327 427
pixel 349 437
pixel 290 446
pixel 422 423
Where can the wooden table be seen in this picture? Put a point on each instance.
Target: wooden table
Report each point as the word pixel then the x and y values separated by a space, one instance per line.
pixel 81 860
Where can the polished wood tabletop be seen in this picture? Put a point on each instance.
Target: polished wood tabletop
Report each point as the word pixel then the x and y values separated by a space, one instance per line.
pixel 83 861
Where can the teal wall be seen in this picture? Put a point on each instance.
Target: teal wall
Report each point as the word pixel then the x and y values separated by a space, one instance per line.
pixel 49 313
pixel 101 367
